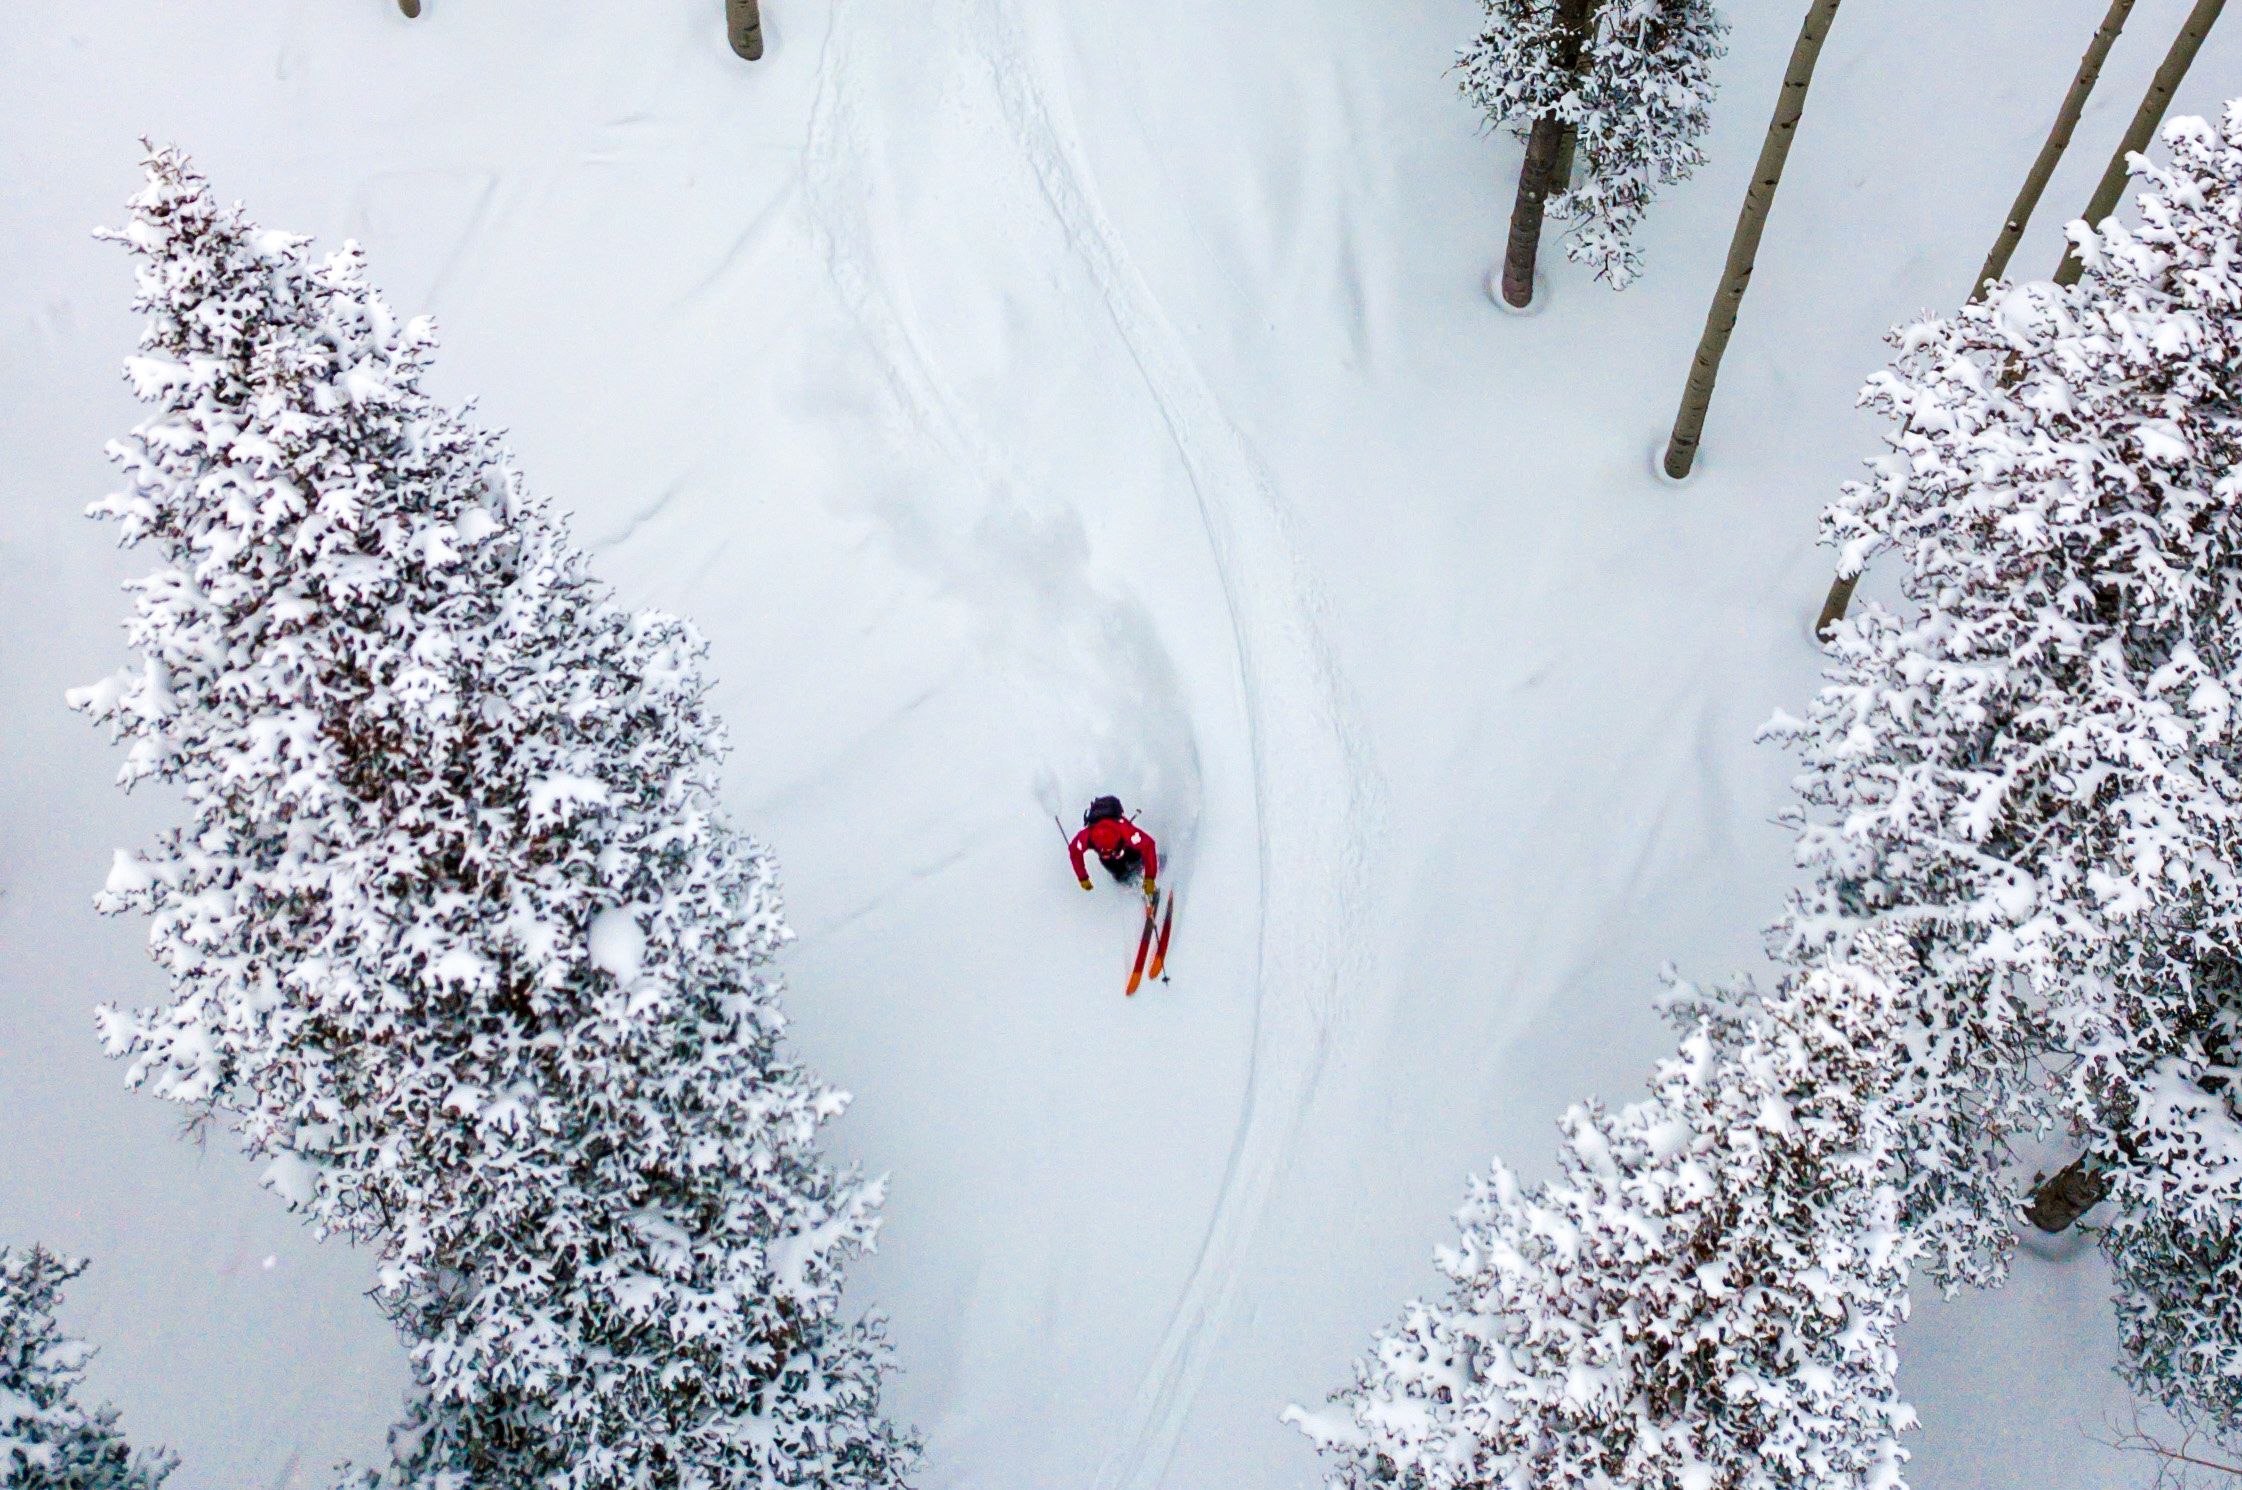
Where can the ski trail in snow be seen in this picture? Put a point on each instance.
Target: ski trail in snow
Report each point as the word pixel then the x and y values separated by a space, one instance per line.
pixel 1107 675
pixel 1312 791
pixel 1306 760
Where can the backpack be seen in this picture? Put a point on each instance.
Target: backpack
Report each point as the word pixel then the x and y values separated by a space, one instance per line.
pixel 1102 810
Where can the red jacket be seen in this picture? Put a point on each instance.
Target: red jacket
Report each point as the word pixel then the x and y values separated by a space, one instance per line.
pixel 1113 837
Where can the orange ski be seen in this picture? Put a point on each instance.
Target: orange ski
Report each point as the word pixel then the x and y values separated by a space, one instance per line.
pixel 1160 951
pixel 1144 945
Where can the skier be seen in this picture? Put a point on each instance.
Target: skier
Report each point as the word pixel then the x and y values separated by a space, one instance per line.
pixel 1122 847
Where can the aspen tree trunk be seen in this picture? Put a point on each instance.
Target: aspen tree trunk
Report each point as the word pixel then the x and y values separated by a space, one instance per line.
pixel 2058 140
pixel 743 21
pixel 2145 120
pixel 1743 249
pixel 1569 151
pixel 1544 146
pixel 1840 597
pixel 1834 603
pixel 1561 179
pixel 2066 1195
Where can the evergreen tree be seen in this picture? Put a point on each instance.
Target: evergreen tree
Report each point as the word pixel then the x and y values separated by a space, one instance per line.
pixel 1705 1298
pixel 1632 81
pixel 458 937
pixel 48 1439
pixel 2033 774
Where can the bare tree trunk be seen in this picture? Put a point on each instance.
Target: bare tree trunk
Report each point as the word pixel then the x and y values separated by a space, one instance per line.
pixel 2066 1195
pixel 1544 146
pixel 2145 120
pixel 1840 597
pixel 2058 140
pixel 1834 603
pixel 743 20
pixel 1569 152
pixel 1743 249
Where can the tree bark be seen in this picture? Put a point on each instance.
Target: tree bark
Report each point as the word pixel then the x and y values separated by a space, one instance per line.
pixel 1743 248
pixel 743 20
pixel 1840 597
pixel 1834 603
pixel 2066 1195
pixel 1569 152
pixel 2058 140
pixel 2145 120
pixel 1544 147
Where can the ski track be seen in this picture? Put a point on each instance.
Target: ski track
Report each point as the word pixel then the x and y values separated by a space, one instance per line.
pixel 1303 753
pixel 1148 748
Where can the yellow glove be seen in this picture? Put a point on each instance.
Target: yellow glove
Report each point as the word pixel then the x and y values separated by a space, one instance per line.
pixel 1086 883
pixel 1151 890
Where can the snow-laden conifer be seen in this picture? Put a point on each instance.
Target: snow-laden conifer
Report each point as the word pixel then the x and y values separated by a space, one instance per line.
pixel 1638 103
pixel 49 1440
pixel 1705 1298
pixel 2031 772
pixel 459 939
pixel 2174 1236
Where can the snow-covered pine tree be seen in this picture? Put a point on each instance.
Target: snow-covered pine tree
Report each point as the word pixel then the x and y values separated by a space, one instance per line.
pixel 2032 774
pixel 1645 101
pixel 1705 1298
pixel 459 939
pixel 49 1440
pixel 1637 98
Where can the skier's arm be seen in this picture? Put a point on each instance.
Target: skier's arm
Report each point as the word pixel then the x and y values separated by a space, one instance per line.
pixel 1144 845
pixel 1075 848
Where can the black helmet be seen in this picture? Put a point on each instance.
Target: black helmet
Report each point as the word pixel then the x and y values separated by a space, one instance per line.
pixel 1102 809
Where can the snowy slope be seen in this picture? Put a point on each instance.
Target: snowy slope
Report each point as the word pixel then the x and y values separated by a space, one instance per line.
pixel 1028 400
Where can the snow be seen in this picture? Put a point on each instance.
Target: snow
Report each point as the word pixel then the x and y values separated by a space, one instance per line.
pixel 126 874
pixel 1029 400
pixel 556 799
pixel 618 943
pixel 291 1178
